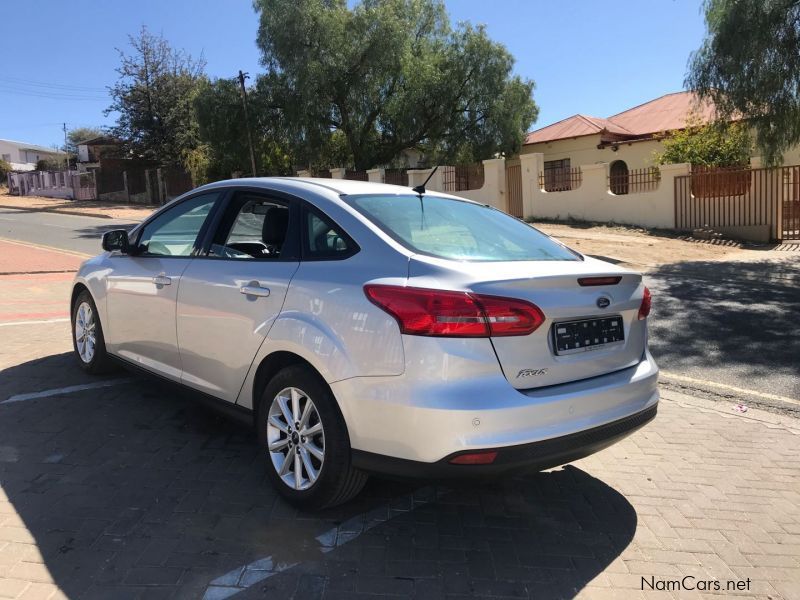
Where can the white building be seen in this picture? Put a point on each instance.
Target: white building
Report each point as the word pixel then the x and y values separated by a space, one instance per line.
pixel 23 156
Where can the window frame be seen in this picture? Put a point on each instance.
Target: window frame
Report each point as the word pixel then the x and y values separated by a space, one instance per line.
pixel 290 251
pixel 136 232
pixel 305 245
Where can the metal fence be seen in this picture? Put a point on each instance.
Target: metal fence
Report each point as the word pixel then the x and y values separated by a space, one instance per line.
pixel 461 178
pixel 396 177
pixel 83 186
pixel 356 175
pixel 110 180
pixel 53 184
pixel 514 189
pixel 137 181
pixel 634 181
pixel 740 197
pixel 176 182
pixel 790 207
pixel 560 179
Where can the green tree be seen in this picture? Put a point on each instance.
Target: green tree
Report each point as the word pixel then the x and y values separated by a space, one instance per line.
pixel 749 65
pixel 708 145
pixel 77 135
pixel 51 163
pixel 223 134
pixel 5 169
pixel 153 98
pixel 389 75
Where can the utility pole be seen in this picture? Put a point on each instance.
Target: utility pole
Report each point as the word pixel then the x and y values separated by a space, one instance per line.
pixel 66 154
pixel 242 77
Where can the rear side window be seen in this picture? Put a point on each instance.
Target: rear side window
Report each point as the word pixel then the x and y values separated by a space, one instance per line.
pixel 457 230
pixel 324 239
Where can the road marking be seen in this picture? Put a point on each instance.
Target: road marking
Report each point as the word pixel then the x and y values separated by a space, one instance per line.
pixel 37 322
pixel 246 576
pixel 702 383
pixel 65 390
pixel 44 247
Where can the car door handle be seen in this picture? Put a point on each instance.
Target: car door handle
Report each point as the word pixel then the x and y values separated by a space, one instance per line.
pixel 162 280
pixel 253 289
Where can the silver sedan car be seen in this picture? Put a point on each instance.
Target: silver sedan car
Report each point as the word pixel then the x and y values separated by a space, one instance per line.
pixel 368 328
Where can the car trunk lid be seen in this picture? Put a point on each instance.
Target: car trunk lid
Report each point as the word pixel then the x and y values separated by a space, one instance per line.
pixel 534 360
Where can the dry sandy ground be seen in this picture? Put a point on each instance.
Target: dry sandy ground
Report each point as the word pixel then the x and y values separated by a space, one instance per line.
pixel 89 208
pixel 643 249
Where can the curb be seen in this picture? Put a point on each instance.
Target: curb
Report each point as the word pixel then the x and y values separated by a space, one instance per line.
pixel 58 211
pixel 75 253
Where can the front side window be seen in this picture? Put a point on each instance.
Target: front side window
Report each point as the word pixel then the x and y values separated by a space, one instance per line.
pixel 174 232
pixel 254 227
pixel 457 230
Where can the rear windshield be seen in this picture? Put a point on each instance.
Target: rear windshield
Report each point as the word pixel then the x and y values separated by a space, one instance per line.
pixel 456 229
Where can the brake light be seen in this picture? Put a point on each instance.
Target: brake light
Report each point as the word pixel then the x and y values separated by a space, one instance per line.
pixel 592 281
pixel 421 311
pixel 644 308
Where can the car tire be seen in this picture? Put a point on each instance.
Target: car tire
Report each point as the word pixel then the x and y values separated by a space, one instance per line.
pixel 87 336
pixel 286 396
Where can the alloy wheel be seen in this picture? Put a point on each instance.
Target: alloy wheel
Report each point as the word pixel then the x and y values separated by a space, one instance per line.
pixel 85 334
pixel 295 438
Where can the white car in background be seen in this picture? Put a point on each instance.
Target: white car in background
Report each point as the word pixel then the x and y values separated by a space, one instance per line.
pixel 366 328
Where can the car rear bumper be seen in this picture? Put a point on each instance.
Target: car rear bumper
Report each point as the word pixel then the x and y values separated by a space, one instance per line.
pixel 428 419
pixel 540 455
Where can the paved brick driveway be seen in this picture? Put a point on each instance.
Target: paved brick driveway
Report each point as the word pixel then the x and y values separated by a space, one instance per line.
pixel 132 491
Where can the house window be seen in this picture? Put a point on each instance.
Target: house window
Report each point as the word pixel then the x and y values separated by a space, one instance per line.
pixel 7 157
pixel 618 177
pixel 557 175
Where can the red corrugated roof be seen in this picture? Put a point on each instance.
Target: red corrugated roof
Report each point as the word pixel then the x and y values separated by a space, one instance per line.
pixel 662 114
pixel 575 126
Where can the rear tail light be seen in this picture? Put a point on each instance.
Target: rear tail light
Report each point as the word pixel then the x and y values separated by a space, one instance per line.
pixel 592 281
pixel 442 313
pixel 475 458
pixel 644 308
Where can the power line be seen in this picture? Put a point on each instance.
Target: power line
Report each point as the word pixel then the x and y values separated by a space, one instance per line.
pixel 51 95
pixel 51 85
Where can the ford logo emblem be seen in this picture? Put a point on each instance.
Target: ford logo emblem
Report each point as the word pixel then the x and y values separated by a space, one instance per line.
pixel 603 302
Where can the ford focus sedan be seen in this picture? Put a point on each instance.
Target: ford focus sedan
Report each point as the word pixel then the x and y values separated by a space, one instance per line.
pixel 367 328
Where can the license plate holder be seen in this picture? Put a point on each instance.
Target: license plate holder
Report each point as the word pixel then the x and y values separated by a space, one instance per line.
pixel 584 335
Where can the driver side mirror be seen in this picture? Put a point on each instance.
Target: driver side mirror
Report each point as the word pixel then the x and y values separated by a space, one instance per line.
pixel 116 239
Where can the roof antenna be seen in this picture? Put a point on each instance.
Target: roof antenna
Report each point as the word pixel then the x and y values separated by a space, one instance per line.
pixel 420 189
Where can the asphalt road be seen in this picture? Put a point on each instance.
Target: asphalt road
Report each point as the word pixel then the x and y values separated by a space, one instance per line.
pixel 722 327
pixel 729 324
pixel 67 232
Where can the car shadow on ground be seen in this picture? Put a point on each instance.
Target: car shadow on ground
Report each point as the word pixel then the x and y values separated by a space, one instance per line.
pixel 97 231
pixel 136 491
pixel 738 317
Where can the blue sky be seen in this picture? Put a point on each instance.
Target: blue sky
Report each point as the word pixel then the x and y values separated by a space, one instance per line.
pixel 584 57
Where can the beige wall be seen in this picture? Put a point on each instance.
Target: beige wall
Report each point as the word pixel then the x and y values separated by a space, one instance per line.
pixel 492 193
pixel 637 155
pixel 592 200
pixel 583 151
